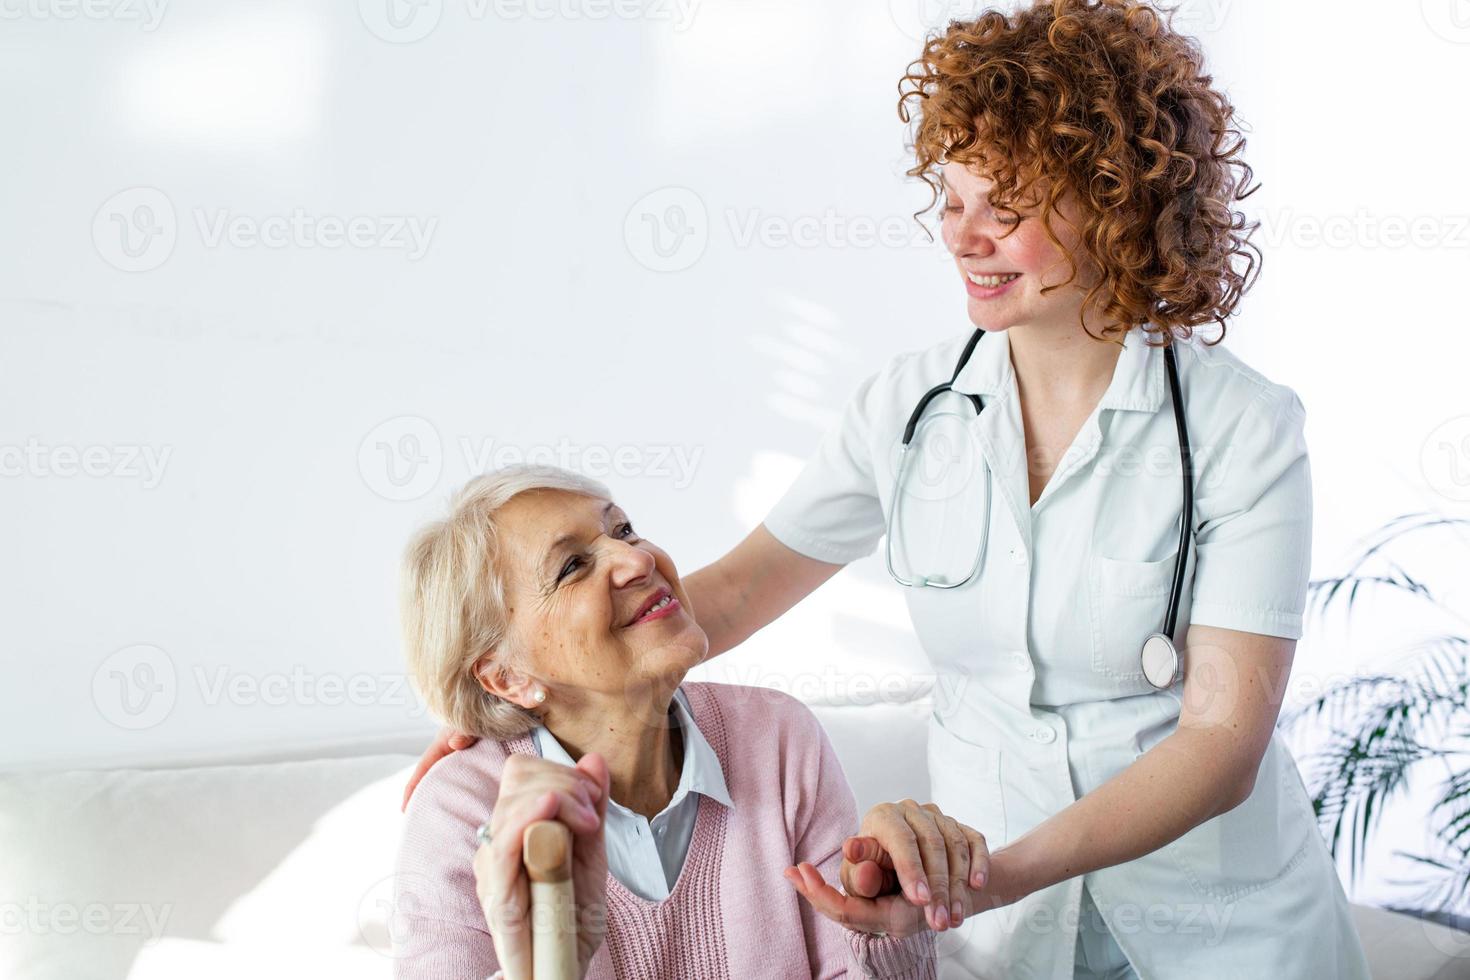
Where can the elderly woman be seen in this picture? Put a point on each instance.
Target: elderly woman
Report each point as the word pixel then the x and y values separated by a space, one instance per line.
pixel 537 619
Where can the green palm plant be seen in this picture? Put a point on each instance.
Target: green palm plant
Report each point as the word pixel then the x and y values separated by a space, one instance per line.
pixel 1383 728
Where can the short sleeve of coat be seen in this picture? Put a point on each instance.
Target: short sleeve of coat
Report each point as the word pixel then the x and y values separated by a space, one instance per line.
pixel 1254 521
pixel 832 512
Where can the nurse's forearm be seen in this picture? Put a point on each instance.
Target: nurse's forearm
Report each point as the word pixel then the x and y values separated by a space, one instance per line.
pixel 759 580
pixel 1206 767
pixel 1184 780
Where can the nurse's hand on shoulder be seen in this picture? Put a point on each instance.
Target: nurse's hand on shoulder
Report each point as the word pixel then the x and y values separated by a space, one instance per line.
pixel 910 867
pixel 446 742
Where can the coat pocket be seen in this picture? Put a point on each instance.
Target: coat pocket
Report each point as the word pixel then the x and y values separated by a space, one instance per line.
pixel 965 781
pixel 1127 601
pixel 1254 845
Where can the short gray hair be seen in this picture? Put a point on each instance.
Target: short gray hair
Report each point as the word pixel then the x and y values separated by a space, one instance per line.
pixel 452 599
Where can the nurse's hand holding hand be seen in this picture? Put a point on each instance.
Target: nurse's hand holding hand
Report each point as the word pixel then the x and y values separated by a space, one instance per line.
pixel 909 868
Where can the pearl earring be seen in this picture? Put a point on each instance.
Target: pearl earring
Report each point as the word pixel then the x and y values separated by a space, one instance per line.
pixel 540 696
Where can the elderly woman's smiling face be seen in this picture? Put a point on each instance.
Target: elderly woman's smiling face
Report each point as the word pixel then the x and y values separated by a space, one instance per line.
pixel 591 607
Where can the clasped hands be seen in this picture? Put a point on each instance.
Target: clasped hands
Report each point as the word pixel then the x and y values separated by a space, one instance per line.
pixel 909 867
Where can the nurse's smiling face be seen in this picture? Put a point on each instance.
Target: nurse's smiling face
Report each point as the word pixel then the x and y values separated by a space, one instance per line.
pixel 1005 260
pixel 591 606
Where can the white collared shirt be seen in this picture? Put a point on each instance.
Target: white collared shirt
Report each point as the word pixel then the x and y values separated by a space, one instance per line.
pixel 646 856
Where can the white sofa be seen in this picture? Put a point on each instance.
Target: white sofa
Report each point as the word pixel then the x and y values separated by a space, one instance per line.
pixel 283 868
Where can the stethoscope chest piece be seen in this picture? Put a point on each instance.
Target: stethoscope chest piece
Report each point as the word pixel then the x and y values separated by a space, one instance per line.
pixel 1160 661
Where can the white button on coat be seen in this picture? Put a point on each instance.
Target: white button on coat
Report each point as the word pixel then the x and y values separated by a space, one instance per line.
pixel 1079 580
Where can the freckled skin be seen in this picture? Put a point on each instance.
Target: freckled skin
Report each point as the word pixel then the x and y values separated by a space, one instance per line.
pixel 976 235
pixel 608 683
pixel 581 651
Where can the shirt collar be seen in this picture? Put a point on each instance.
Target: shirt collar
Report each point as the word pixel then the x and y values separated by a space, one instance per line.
pixel 700 773
pixel 1137 384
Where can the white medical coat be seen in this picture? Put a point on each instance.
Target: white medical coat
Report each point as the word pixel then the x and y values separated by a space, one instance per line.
pixel 1040 696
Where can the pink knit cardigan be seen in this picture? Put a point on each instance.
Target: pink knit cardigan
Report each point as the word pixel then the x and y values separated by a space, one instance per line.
pixel 730 915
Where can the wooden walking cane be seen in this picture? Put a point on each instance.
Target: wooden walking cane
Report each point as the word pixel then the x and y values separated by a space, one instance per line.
pixel 547 855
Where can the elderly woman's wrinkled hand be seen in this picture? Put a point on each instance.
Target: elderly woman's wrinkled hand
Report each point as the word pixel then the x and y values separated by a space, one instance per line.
pixel 918 851
pixel 534 789
pixel 910 867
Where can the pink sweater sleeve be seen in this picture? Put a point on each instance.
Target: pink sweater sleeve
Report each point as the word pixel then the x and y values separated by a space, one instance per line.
pixel 828 817
pixel 439 930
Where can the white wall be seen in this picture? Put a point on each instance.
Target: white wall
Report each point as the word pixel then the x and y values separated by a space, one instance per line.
pixel 265 423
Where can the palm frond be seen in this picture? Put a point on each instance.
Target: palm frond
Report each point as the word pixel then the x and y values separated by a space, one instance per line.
pixel 1345 588
pixel 1381 728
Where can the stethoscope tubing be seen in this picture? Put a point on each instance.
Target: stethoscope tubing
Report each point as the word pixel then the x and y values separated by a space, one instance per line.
pixel 1186 516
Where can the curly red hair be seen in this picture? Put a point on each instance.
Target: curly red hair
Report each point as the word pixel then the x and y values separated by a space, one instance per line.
pixel 1104 100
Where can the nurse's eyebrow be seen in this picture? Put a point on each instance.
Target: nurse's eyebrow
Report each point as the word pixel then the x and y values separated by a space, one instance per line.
pixel 561 543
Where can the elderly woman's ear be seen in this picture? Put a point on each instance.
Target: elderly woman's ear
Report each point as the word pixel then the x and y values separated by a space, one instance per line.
pixel 509 685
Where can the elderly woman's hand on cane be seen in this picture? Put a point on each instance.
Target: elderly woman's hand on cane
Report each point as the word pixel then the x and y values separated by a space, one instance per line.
pixel 532 790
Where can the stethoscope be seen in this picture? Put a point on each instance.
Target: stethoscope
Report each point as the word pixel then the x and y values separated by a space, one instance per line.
pixel 1159 657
